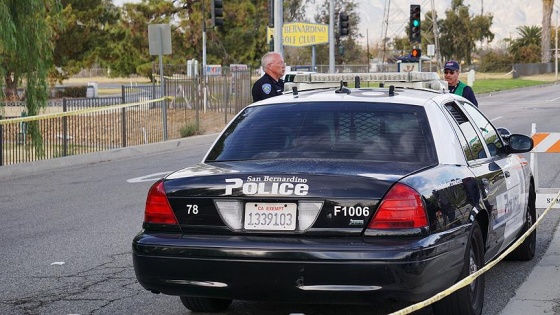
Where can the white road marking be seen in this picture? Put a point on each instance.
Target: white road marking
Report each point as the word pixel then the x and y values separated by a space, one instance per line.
pixel 147 178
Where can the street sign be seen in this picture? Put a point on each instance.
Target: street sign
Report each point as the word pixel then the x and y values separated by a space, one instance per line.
pixel 159 37
pixel 408 66
pixel 431 50
pixel 214 70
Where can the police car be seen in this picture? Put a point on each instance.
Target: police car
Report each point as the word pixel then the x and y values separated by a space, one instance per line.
pixel 289 76
pixel 390 189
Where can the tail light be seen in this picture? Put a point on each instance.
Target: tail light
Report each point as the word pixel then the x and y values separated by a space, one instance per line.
pixel 402 208
pixel 158 209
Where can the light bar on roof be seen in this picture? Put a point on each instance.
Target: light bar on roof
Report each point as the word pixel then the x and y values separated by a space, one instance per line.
pixel 414 79
pixel 367 77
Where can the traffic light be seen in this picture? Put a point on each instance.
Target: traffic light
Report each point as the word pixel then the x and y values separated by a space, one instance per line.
pixel 416 53
pixel 271 13
pixel 343 24
pixel 414 29
pixel 218 12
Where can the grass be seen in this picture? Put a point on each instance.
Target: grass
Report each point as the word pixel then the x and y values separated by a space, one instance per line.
pixel 492 82
pixel 107 92
pixel 492 85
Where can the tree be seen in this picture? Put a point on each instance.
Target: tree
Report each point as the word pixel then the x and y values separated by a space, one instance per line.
pixel 545 35
pixel 26 50
pixel 128 48
pixel 26 45
pixel 352 51
pixel 459 32
pixel 527 47
pixel 496 61
pixel 85 36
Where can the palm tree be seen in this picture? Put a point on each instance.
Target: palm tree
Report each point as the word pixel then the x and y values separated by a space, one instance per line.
pixel 545 36
pixel 528 35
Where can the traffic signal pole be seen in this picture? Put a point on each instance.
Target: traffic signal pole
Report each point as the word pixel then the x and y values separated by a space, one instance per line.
pixel 331 36
pixel 439 62
pixel 278 26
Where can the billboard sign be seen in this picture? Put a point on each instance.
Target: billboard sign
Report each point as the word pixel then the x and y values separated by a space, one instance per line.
pixel 302 34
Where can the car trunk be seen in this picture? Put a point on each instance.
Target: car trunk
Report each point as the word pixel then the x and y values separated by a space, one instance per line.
pixel 280 196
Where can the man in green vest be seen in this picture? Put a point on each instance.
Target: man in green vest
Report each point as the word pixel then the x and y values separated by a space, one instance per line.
pixel 451 72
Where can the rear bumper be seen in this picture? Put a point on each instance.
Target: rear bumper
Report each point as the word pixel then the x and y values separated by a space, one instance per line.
pixel 325 270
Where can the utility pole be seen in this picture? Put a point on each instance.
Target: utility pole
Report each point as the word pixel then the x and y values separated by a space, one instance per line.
pixel 331 36
pixel 556 50
pixel 384 27
pixel 278 26
pixel 439 62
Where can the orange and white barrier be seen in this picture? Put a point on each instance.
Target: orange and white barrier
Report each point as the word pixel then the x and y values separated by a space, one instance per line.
pixel 545 142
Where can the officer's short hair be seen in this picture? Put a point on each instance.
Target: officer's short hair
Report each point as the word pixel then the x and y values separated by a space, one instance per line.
pixel 267 59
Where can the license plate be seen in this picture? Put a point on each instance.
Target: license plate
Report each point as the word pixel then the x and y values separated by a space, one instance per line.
pixel 270 216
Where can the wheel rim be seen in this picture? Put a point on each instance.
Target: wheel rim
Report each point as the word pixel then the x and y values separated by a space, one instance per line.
pixel 473 267
pixel 532 237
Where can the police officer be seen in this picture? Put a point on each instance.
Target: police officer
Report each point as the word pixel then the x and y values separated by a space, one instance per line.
pixel 270 84
pixel 451 71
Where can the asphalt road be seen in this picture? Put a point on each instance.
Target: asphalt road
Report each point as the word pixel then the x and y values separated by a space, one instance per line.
pixel 66 231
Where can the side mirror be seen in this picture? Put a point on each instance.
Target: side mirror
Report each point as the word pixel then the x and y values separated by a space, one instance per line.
pixel 519 143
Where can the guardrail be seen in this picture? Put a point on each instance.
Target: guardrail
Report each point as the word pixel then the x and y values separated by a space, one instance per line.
pixel 545 142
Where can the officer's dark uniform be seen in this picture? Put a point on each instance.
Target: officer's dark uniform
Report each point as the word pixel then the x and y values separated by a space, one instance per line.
pixel 266 87
pixel 465 91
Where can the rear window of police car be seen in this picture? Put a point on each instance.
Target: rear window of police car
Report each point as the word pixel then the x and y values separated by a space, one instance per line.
pixel 331 130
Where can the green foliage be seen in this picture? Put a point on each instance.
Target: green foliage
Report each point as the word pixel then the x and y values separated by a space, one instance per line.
pixel 145 70
pixel 353 52
pixel 189 130
pixel 528 54
pixel 496 62
pixel 528 45
pixel 26 50
pixel 459 32
pixel 492 85
pixel 82 42
pixel 73 91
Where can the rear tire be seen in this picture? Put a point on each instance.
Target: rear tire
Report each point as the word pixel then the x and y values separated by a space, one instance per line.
pixel 469 299
pixel 526 250
pixel 204 304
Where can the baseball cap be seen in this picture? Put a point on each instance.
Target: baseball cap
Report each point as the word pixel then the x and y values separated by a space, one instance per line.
pixel 451 65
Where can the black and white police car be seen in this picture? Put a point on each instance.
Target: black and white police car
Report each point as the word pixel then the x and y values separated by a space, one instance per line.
pixel 342 195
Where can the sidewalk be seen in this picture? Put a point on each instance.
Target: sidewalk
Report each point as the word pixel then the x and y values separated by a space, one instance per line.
pixel 540 293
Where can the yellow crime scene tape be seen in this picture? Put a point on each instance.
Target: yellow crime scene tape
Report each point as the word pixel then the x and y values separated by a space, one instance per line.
pixel 78 112
pixel 469 279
